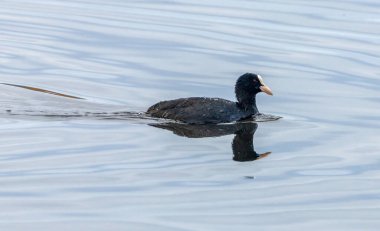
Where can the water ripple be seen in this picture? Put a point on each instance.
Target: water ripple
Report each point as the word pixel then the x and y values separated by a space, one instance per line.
pixel 106 172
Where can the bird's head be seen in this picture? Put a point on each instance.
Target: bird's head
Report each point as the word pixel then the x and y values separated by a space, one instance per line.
pixel 248 85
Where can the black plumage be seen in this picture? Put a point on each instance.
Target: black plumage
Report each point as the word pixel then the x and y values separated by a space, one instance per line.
pixel 202 110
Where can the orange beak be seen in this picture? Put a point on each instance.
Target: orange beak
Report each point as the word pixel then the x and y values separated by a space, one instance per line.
pixel 266 89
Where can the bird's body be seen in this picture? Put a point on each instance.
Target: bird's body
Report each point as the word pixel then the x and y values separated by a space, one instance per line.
pixel 202 110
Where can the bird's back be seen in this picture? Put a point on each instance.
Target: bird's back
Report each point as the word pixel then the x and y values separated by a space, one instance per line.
pixel 197 110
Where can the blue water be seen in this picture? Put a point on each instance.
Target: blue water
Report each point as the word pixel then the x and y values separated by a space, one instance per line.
pixel 321 59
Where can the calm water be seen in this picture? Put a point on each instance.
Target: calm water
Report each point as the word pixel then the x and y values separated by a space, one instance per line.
pixel 321 59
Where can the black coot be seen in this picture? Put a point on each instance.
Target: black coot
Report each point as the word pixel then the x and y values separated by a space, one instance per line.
pixel 201 110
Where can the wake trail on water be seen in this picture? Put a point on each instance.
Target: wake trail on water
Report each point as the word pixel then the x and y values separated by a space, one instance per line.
pixel 79 107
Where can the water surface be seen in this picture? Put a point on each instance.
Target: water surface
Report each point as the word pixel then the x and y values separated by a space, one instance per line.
pixel 321 59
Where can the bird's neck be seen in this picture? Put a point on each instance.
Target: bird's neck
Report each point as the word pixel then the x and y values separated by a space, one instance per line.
pixel 249 105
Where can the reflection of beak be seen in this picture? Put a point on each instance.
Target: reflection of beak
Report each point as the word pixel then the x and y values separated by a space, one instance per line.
pixel 266 89
pixel 263 155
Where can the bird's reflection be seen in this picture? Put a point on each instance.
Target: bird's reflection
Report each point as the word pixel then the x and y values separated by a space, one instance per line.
pixel 242 144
